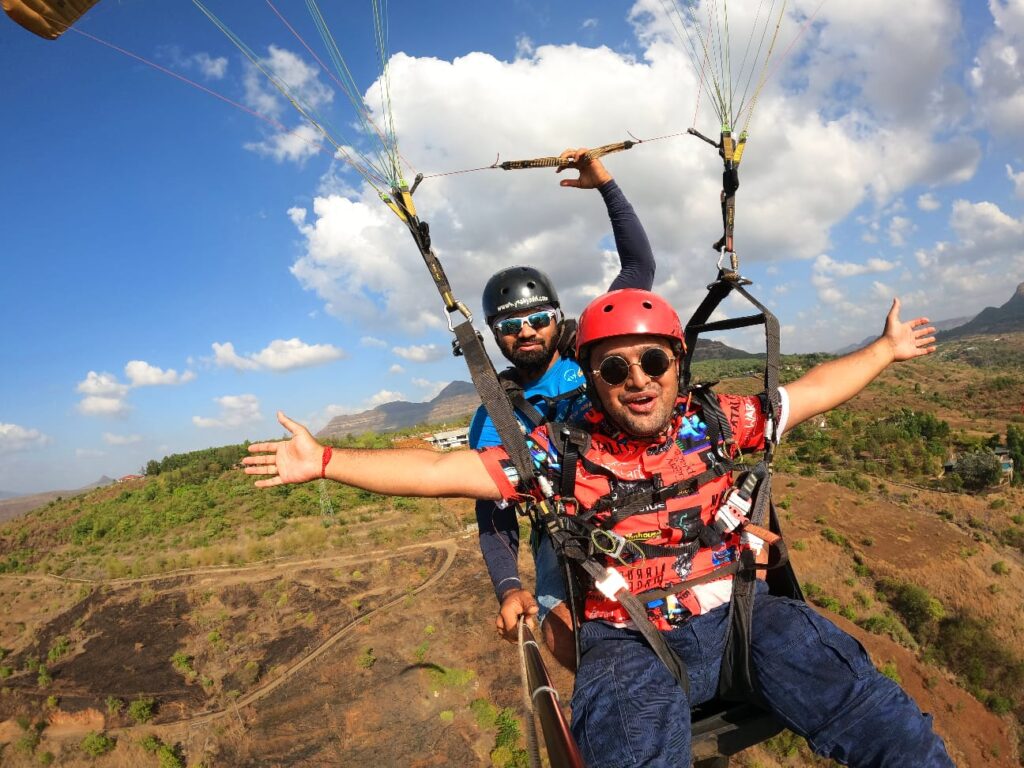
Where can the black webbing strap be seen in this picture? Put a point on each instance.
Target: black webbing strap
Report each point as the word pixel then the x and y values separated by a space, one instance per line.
pixel 497 404
pixel 638 501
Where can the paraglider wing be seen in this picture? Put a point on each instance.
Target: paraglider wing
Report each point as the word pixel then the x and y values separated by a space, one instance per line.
pixel 46 18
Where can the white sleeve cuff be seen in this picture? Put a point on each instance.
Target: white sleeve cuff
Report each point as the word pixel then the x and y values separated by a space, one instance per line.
pixel 783 412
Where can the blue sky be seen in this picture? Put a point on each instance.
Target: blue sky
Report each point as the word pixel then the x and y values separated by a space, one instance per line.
pixel 175 270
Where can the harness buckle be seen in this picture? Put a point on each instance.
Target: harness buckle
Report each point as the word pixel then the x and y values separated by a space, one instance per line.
pixel 613 545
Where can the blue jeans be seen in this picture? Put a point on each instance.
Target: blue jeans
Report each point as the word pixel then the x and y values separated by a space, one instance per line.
pixel 550 584
pixel 818 681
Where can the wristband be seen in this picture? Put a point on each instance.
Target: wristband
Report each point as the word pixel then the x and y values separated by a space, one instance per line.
pixel 327 457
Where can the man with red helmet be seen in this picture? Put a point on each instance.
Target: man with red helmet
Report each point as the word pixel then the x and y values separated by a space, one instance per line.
pixel 645 434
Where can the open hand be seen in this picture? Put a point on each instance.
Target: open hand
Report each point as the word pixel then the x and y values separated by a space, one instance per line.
pixel 910 339
pixel 296 460
pixel 592 171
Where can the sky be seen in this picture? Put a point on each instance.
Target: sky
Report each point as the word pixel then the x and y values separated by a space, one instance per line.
pixel 183 259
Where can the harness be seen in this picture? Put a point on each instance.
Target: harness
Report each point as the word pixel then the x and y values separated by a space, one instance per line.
pixel 585 540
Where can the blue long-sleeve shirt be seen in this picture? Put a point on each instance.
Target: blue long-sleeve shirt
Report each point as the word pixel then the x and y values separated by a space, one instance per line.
pixel 499 529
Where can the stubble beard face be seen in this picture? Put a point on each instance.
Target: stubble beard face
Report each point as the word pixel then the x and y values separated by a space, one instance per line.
pixel 531 363
pixel 647 425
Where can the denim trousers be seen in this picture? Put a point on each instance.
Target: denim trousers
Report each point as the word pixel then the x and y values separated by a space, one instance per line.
pixel 628 710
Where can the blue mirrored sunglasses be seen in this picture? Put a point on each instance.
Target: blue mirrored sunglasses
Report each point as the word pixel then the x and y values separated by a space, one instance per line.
pixel 511 326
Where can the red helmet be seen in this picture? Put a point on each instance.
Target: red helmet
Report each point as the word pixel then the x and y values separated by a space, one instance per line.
pixel 625 312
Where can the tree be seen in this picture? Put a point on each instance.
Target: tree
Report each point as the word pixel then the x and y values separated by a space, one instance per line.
pixel 978 469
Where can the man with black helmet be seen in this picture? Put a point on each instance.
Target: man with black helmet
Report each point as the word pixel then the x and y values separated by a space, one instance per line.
pixel 629 706
pixel 522 309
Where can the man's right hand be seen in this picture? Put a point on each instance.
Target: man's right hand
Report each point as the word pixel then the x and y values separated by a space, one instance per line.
pixel 515 603
pixel 592 171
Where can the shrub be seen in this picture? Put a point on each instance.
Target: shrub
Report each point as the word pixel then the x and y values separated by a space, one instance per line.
pixel 168 757
pixel 889 670
pixel 59 649
pixel 115 706
pixel 97 744
pixel 978 470
pixel 141 710
pixel 151 744
pixel 366 659
pixel 1000 568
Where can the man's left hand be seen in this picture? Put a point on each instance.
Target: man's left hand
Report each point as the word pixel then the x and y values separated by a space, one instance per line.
pixel 910 339
pixel 592 171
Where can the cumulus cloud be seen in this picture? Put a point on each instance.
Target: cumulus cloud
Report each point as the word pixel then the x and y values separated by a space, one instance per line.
pixel 431 389
pixel 826 265
pixel 997 76
pixel 1018 180
pixel 829 139
pixel 382 397
pixel 928 202
pixel 396 368
pixel 900 227
pixel 300 79
pixel 422 353
pixel 15 438
pixel 235 411
pixel 209 67
pixel 589 24
pixel 972 269
pixel 111 439
pixel 280 355
pixel 142 374
pixel 373 341
pixel 104 395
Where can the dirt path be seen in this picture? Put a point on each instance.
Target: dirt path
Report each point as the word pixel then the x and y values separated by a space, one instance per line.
pixel 448 545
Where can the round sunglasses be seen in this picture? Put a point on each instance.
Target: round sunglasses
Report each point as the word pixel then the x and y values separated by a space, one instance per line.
pixel 512 326
pixel 614 369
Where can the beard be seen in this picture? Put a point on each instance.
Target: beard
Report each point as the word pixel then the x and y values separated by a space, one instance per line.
pixel 531 363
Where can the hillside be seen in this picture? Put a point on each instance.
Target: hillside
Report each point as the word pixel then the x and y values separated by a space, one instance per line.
pixel 298 626
pixel 456 402
pixel 1008 318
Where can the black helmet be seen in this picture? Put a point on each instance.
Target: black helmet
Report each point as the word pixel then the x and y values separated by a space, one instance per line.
pixel 515 289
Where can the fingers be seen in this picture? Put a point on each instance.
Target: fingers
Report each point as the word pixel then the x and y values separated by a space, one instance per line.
pixel 569 183
pixel 261 448
pixel 268 483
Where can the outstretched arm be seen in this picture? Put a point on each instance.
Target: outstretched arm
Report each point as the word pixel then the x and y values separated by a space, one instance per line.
pixel 635 254
pixel 830 384
pixel 395 472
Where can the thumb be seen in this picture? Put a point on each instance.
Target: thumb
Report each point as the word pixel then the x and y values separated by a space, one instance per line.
pixel 569 183
pixel 291 426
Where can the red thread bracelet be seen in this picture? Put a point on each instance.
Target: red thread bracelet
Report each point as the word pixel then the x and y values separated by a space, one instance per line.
pixel 327 457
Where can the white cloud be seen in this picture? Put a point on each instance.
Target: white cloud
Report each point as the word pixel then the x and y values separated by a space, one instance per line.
pixel 524 47
pixel 826 265
pixel 900 227
pixel 302 81
pixel 111 439
pixel 104 395
pixel 362 265
pixel 589 24
pixel 382 397
pixel 373 341
pixel 296 145
pixel 209 67
pixel 396 368
pixel 928 202
pixel 102 384
pixel 280 355
pixel 235 411
pixel 431 389
pixel 422 353
pixel 1018 180
pixel 981 266
pixel 997 77
pixel 224 356
pixel 142 374
pixel 15 439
